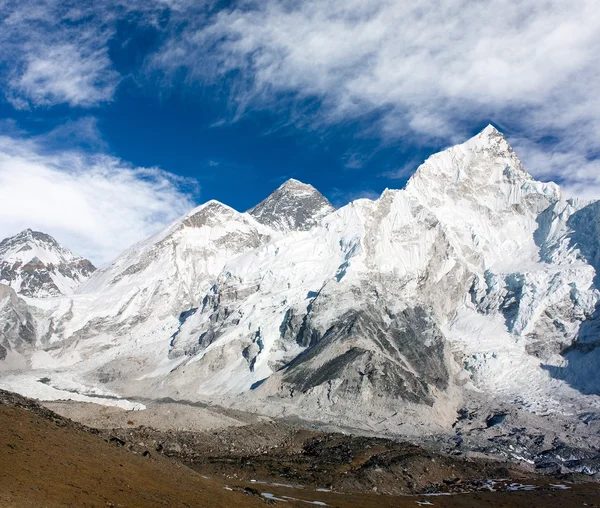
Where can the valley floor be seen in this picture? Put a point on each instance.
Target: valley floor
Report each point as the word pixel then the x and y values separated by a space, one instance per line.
pixel 227 458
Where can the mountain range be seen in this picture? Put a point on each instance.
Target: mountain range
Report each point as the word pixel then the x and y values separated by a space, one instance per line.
pixel 475 286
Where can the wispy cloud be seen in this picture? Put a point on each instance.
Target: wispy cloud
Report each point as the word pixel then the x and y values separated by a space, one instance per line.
pixel 403 172
pixel 82 133
pixel 424 71
pixel 355 160
pixel 64 74
pixel 96 205
pixel 57 51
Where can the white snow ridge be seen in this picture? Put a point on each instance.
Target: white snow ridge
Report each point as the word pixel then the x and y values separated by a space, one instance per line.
pixel 474 287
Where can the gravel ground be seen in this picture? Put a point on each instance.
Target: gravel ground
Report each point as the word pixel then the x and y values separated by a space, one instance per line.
pixel 157 415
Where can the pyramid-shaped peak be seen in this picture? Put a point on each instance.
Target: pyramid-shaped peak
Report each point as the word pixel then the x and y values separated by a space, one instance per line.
pixel 476 154
pixel 294 185
pixel 26 234
pixel 485 165
pixel 293 206
pixel 490 130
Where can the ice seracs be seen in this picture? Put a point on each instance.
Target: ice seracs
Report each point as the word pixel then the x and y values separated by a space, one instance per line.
pixel 35 265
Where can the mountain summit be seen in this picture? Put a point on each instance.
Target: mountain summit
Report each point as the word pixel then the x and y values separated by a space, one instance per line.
pixel 294 206
pixel 34 264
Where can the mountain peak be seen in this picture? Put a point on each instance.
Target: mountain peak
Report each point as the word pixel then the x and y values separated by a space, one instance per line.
pixel 293 206
pixel 35 264
pixel 293 185
pixel 211 207
pixel 490 130
pixel 210 213
pixel 485 160
pixel 489 137
pixel 29 235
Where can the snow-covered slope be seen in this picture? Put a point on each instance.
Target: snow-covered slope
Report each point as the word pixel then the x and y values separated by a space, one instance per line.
pixel 36 265
pixel 387 314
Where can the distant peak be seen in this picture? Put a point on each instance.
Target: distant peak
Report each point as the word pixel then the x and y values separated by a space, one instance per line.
pixel 26 233
pixel 29 234
pixel 35 264
pixel 292 181
pixel 296 185
pixel 293 206
pixel 29 239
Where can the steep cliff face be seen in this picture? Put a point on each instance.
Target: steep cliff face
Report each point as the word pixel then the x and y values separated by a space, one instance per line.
pixel 475 278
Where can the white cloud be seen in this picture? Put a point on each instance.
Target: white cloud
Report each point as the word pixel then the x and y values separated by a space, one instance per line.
pixel 66 74
pixel 96 205
pixel 80 133
pixel 426 70
pixel 57 51
pixel 577 175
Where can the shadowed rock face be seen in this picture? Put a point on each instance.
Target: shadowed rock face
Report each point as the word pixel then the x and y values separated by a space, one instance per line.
pixel 35 265
pixel 293 206
pixel 400 360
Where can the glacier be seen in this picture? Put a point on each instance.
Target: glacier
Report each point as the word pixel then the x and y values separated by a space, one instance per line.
pixel 474 286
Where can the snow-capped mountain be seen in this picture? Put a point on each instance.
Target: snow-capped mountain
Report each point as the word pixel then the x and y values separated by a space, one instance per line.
pixel 295 206
pixel 386 314
pixel 35 265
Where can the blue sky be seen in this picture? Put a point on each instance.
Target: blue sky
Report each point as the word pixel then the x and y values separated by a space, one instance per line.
pixel 116 116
